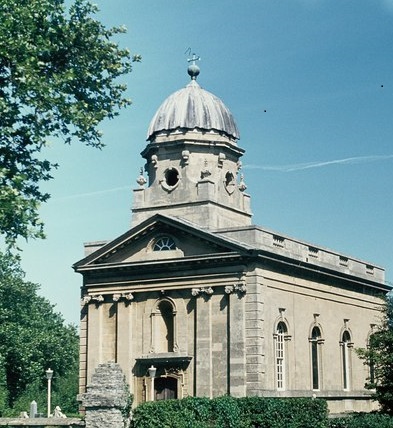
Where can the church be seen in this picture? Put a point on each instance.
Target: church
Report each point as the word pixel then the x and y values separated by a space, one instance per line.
pixel 196 300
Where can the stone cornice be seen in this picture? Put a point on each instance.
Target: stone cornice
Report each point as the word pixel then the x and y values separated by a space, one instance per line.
pixel 218 259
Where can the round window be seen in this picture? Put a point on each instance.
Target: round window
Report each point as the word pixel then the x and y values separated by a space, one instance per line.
pixel 171 177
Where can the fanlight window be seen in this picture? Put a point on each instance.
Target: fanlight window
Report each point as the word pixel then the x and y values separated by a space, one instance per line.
pixel 164 244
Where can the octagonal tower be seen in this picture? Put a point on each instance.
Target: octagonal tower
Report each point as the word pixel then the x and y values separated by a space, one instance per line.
pixel 193 162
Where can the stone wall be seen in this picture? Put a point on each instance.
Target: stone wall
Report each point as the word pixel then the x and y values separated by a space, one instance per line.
pixel 42 422
pixel 106 403
pixel 107 399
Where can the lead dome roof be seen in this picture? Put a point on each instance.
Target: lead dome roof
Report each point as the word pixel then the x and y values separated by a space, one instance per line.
pixel 193 108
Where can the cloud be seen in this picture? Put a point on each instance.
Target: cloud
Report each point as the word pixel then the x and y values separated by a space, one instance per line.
pixel 320 164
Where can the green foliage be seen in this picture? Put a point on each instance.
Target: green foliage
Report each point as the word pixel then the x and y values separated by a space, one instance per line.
pixel 33 338
pixel 66 388
pixel 186 413
pixel 34 391
pixel 3 387
pixel 284 412
pixel 229 412
pixel 379 357
pixel 64 392
pixel 58 78
pixel 126 411
pixel 363 420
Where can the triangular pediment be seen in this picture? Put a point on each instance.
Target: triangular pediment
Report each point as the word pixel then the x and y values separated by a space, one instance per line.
pixel 160 238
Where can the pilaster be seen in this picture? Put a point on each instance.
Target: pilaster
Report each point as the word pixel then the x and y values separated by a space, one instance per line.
pixel 237 345
pixel 255 339
pixel 203 348
pixel 94 338
pixel 125 339
pixel 83 348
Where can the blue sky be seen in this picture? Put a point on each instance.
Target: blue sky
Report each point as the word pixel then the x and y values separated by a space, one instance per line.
pixel 310 85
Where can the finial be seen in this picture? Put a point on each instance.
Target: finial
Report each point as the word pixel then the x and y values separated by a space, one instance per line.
pixel 193 70
pixel 141 180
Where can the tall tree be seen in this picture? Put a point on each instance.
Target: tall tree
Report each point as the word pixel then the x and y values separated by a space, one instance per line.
pixel 379 358
pixel 58 78
pixel 33 337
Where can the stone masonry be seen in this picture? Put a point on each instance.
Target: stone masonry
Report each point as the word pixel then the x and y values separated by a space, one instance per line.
pixel 212 303
pixel 106 401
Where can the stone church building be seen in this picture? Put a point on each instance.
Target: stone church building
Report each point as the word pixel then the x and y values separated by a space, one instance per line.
pixel 195 300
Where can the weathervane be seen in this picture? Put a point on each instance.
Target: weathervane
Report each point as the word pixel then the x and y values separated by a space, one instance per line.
pixel 194 58
pixel 193 70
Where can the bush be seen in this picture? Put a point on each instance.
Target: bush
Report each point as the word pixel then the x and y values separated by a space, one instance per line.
pixel 284 412
pixel 229 412
pixel 363 420
pixel 186 413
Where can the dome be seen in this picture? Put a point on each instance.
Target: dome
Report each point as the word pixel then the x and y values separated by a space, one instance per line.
pixel 193 107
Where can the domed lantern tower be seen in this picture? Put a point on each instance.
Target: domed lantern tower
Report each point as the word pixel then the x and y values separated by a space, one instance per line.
pixel 193 162
pixel 206 301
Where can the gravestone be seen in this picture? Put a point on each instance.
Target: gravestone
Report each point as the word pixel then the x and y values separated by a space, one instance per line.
pixel 33 409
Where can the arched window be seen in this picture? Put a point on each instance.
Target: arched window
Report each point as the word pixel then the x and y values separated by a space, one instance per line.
pixel 371 362
pixel 280 354
pixel 346 358
pixel 164 243
pixel 315 342
pixel 163 327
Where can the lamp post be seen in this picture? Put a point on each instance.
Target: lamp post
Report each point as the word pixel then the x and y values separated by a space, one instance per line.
pixel 152 374
pixel 49 374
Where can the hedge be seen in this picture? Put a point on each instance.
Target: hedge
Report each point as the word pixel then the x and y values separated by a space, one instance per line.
pixel 284 412
pixel 363 420
pixel 229 412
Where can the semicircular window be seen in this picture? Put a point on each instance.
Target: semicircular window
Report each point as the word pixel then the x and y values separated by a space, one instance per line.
pixel 164 244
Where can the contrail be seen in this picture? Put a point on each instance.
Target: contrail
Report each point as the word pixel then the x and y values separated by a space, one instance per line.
pixel 98 192
pixel 320 164
pixel 280 168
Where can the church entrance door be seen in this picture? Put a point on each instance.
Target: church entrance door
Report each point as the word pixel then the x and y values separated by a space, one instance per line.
pixel 165 388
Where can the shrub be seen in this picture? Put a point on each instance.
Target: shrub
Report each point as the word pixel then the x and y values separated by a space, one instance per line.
pixel 363 420
pixel 284 412
pixel 186 413
pixel 229 412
